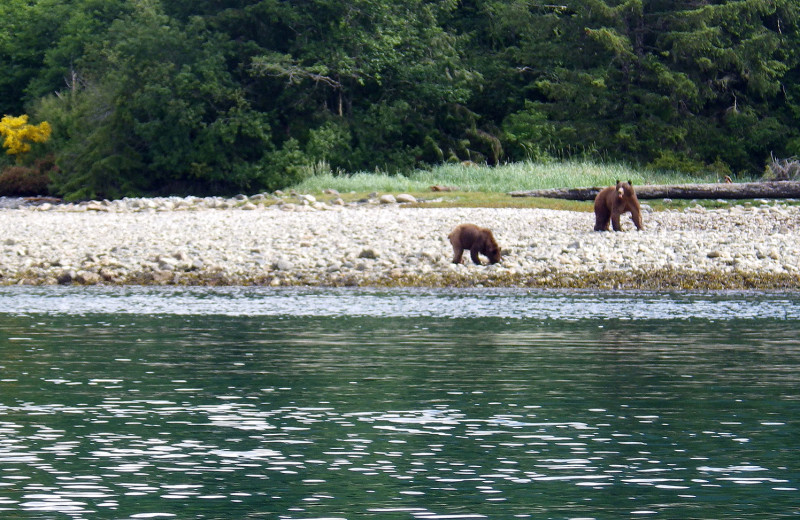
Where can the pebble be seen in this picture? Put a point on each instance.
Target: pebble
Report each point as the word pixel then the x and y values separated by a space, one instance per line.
pixel 246 240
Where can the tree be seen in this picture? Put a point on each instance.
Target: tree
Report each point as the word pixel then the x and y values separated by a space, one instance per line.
pixel 735 56
pixel 23 41
pixel 384 72
pixel 73 28
pixel 636 79
pixel 209 96
pixel 156 112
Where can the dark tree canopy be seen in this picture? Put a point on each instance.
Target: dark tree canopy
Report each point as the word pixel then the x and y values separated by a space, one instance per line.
pixel 179 96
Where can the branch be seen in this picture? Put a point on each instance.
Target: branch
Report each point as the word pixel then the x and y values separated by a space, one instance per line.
pixel 284 67
pixel 295 75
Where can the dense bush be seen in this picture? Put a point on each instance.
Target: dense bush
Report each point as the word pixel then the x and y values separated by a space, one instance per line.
pixel 19 181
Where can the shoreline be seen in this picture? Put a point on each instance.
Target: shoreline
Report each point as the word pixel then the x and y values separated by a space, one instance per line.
pixel 255 241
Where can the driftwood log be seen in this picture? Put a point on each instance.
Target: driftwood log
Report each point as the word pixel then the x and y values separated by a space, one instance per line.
pixel 744 190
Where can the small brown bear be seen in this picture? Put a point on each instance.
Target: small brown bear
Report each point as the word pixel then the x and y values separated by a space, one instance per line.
pixel 477 240
pixel 612 202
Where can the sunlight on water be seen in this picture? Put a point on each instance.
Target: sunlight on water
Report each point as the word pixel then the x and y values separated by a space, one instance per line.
pixel 500 303
pixel 237 403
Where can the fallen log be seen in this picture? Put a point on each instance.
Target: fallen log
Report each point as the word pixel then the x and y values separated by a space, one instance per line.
pixel 744 190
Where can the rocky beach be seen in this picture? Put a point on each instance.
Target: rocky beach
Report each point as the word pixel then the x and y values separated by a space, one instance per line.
pixel 301 241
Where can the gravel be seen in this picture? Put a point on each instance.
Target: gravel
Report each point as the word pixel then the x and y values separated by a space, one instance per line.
pixel 301 241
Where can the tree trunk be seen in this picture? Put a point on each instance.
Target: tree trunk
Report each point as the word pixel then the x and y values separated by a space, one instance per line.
pixel 745 190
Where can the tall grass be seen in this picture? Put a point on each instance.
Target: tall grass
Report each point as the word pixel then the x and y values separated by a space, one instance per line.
pixel 509 177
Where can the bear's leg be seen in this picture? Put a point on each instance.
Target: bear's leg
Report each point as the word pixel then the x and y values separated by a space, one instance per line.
pixel 615 222
pixel 457 253
pixel 636 216
pixel 473 253
pixel 601 217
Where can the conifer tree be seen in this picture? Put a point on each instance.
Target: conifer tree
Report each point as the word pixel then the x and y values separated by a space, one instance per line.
pixel 669 82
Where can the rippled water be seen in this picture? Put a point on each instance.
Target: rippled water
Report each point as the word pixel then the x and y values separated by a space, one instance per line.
pixel 310 404
pixel 400 303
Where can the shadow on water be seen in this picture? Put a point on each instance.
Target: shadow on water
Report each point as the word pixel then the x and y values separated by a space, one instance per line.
pixel 343 404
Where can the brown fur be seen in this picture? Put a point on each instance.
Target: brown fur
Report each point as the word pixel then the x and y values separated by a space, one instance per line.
pixel 612 202
pixel 477 240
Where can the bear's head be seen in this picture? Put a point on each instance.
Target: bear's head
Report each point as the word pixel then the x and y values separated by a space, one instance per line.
pixel 624 189
pixel 492 251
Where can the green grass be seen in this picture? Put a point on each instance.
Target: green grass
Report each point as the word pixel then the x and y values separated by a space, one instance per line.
pixel 484 186
pixel 499 179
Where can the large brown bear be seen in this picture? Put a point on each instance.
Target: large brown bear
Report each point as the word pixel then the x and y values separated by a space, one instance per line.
pixel 477 240
pixel 612 202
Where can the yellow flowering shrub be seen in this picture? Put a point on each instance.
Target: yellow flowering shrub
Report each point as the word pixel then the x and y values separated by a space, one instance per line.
pixel 18 133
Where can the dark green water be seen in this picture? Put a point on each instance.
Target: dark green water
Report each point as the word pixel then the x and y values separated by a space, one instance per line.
pixel 422 405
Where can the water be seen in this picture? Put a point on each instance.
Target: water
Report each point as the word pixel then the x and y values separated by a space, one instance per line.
pixel 414 404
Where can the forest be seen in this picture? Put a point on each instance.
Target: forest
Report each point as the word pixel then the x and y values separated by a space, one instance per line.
pixel 176 97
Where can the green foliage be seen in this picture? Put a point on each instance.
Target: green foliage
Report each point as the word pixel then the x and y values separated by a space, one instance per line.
pixel 672 161
pixel 330 143
pixel 24 39
pixel 528 133
pixel 283 167
pixel 386 128
pixel 385 71
pixel 157 97
pixel 160 115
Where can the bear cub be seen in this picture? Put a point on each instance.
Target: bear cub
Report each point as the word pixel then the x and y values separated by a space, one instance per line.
pixel 612 202
pixel 477 240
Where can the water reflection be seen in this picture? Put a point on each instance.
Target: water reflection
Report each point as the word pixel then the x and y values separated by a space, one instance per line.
pixel 214 416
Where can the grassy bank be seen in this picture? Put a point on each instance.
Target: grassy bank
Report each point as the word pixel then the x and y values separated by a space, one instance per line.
pixel 499 179
pixel 484 186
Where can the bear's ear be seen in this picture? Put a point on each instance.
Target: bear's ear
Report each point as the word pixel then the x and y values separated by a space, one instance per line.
pixel 630 182
pixel 617 182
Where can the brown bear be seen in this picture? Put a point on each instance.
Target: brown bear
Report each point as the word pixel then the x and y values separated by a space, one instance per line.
pixel 477 240
pixel 612 202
